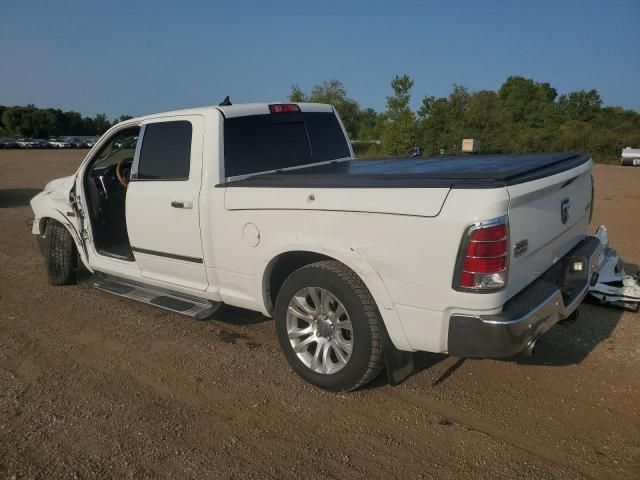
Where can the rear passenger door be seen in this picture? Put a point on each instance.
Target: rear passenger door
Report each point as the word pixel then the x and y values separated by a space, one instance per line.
pixel 162 208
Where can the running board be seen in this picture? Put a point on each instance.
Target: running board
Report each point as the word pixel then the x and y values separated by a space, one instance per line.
pixel 198 308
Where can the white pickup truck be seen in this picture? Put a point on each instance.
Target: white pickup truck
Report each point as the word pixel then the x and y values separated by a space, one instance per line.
pixel 264 207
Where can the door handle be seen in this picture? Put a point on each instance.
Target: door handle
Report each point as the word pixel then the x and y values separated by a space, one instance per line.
pixel 181 204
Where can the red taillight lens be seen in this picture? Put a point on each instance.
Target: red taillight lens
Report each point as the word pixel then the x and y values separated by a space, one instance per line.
pixel 466 279
pixel 283 108
pixel 487 249
pixel 483 265
pixel 489 234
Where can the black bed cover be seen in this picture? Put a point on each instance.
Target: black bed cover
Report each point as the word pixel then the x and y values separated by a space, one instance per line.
pixel 462 171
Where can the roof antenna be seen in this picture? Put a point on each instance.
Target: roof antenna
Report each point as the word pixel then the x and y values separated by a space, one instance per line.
pixel 226 102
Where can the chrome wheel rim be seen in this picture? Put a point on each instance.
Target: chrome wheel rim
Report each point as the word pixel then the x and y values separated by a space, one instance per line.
pixel 319 330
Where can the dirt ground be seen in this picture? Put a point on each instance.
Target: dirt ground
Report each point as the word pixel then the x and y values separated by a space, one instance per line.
pixel 94 386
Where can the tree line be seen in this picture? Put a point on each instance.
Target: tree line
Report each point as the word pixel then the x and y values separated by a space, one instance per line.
pixel 31 121
pixel 522 116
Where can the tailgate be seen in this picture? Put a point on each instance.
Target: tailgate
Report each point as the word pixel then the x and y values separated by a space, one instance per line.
pixel 551 216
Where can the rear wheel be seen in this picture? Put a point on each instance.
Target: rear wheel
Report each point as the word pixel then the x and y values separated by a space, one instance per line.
pixel 61 255
pixel 329 327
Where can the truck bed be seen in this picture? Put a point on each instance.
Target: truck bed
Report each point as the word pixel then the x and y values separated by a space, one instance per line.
pixel 469 171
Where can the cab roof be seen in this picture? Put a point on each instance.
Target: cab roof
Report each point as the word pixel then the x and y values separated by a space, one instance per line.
pixel 239 110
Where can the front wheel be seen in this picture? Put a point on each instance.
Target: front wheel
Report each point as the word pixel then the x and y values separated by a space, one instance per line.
pixel 61 255
pixel 328 326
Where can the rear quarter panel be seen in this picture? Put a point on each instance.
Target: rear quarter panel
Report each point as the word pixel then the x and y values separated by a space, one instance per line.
pixel 406 261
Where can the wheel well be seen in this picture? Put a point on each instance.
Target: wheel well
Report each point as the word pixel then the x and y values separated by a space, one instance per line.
pixel 43 224
pixel 46 220
pixel 281 267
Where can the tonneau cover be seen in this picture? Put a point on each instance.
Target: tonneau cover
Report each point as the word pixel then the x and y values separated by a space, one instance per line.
pixel 463 171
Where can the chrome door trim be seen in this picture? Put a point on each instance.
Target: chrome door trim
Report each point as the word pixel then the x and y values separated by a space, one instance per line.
pixel 136 155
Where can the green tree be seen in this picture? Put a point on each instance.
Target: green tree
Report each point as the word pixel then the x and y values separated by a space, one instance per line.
pixel 73 123
pixel 101 124
pixel 12 120
pixel 122 118
pixel 39 123
pixel 369 125
pixel 523 99
pixel 580 105
pixel 399 134
pixel 297 95
pixel 333 93
pixel 30 121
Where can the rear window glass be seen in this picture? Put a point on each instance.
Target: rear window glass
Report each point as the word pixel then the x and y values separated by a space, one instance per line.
pixel 258 143
pixel 166 151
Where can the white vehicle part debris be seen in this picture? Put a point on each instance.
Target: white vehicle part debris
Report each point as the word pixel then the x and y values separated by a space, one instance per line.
pixel 615 286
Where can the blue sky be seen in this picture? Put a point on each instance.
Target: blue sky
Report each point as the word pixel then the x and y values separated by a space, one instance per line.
pixel 140 57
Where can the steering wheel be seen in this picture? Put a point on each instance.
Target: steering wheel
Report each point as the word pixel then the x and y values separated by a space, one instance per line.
pixel 123 171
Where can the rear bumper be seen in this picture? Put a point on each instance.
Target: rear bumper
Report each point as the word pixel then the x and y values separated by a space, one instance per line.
pixel 552 297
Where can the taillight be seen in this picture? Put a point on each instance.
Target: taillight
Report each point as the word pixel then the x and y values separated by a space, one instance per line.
pixel 483 258
pixel 284 108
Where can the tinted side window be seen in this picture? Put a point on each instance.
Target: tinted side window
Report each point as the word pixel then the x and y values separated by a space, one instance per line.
pixel 166 151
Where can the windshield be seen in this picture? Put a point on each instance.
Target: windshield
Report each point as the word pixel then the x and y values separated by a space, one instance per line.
pixel 259 143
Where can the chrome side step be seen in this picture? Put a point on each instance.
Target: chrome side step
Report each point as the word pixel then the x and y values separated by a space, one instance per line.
pixel 198 308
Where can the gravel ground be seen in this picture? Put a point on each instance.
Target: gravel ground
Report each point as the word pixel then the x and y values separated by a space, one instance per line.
pixel 94 386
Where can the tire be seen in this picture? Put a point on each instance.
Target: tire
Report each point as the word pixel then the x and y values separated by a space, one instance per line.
pixel 339 287
pixel 61 255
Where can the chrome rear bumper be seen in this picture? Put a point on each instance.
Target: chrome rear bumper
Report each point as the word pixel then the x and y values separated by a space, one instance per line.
pixel 551 298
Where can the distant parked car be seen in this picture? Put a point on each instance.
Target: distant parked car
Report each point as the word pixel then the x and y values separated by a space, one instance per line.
pixel 59 143
pixel 126 142
pixel 78 143
pixel 41 143
pixel 27 143
pixel 71 141
pixel 8 143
